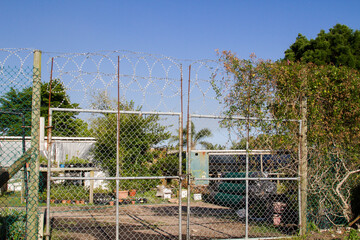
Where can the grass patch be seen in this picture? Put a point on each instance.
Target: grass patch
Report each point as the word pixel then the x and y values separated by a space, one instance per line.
pixel 12 199
pixel 264 228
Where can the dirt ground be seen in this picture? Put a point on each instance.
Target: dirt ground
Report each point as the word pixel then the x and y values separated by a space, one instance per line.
pixel 159 221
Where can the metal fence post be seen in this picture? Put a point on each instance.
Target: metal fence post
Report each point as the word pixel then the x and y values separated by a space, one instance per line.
pixel 188 151
pixel 181 141
pixel 33 202
pixel 303 166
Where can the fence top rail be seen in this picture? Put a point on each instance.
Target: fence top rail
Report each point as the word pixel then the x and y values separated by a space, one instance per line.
pixel 248 178
pixel 233 152
pixel 12 112
pixel 72 139
pixel 241 118
pixel 15 138
pixel 114 111
pixel 18 138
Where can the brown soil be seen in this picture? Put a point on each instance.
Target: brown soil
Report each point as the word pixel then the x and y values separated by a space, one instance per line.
pixel 160 221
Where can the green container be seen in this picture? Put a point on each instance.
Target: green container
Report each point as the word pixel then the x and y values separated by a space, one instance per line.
pixel 241 174
pixel 229 200
pixel 235 175
pixel 232 188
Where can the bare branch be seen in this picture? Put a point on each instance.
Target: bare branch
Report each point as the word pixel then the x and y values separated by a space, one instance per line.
pixel 346 205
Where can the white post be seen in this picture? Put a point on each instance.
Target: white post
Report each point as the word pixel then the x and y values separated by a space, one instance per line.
pixel 42 134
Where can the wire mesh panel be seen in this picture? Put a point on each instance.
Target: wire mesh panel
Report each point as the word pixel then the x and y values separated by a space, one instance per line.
pixel 244 178
pixel 19 110
pixel 116 175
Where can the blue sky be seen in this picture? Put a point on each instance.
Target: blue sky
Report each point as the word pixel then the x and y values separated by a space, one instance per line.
pixel 180 29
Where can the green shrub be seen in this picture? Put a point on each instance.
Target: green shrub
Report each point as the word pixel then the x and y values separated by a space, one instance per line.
pixel 76 160
pixel 102 190
pixel 43 160
pixel 72 192
pixel 312 227
pixel 12 224
pixel 353 235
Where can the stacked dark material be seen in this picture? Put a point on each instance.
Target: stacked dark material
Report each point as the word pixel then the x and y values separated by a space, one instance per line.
pixel 231 193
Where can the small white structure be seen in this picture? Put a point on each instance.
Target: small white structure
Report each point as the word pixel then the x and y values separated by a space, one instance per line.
pixel 163 192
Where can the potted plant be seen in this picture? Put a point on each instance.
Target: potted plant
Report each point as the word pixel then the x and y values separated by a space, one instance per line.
pixel 77 162
pixel 123 194
pixel 43 161
pixel 102 196
pixel 132 192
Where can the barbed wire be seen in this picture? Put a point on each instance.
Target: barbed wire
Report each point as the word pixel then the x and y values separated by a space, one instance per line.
pixel 22 55
pixel 140 75
pixel 202 95
pixel 15 68
pixel 152 81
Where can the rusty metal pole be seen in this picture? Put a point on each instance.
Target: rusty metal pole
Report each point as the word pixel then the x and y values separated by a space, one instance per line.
pixel 117 150
pixel 180 151
pixel 50 89
pixel 247 156
pixel 188 148
pixel 48 148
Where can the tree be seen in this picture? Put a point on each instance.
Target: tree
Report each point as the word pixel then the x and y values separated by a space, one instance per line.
pixel 196 137
pixel 14 105
pixel 138 136
pixel 210 146
pixel 19 101
pixel 332 97
pixel 340 46
pixel 274 142
pixel 333 116
pixel 65 124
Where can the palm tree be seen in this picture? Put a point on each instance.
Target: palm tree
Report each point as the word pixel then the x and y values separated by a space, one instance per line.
pixel 196 137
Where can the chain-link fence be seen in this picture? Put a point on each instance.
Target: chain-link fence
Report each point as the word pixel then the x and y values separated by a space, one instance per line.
pixel 118 178
pixel 111 161
pixel 113 158
pixel 246 178
pixel 19 113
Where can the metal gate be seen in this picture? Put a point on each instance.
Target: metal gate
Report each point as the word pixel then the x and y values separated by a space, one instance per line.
pixel 117 179
pixel 249 190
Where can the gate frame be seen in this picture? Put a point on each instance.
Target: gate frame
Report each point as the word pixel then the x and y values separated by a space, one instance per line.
pixel 247 178
pixel 49 178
